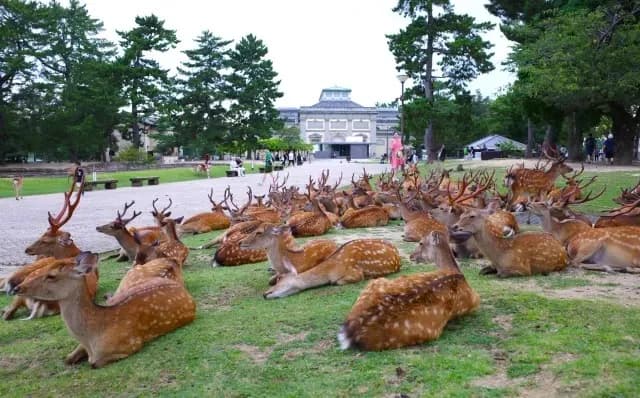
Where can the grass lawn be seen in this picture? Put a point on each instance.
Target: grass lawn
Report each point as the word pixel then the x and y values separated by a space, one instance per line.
pixel 43 185
pixel 528 336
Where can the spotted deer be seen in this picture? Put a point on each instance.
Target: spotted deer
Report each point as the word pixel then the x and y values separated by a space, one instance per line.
pixel 206 222
pixel 354 261
pixel 109 333
pixel 410 309
pixel 125 237
pixel 171 247
pixel 38 308
pixel 520 254
pixel 313 223
pixel 368 216
pixel 17 186
pixel 418 223
pixel 167 268
pixel 601 249
pixel 284 255
pixel 533 183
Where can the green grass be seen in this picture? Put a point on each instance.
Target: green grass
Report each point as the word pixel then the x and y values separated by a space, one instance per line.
pixel 241 345
pixel 44 185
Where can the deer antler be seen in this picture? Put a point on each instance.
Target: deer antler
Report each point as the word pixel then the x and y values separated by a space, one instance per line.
pixel 161 212
pixel 335 186
pixel 624 209
pixel 566 198
pixel 210 195
pixel 125 221
pixel 56 223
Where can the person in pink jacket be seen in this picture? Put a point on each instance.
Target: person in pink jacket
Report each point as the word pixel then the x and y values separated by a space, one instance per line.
pixel 397 157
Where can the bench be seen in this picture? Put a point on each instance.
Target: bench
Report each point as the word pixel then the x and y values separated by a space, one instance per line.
pixel 108 184
pixel 138 181
pixel 232 173
pixel 278 167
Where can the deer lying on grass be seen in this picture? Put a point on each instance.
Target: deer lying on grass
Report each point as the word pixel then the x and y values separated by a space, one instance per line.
pixel 167 268
pixel 354 261
pixel 110 333
pixel 368 216
pixel 118 229
pixel 283 254
pixel 410 309
pixel 206 222
pixel 603 249
pixel 53 244
pixel 314 223
pixel 171 247
pixel 37 308
pixel 511 254
pixel 17 186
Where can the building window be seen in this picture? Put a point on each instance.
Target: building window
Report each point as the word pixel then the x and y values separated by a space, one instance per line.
pixel 338 124
pixel 359 124
pixel 315 124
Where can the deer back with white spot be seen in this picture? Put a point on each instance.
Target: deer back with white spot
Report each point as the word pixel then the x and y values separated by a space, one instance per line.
pixel 370 216
pixel 617 247
pixel 158 268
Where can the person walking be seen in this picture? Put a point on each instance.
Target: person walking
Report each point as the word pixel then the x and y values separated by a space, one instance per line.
pixel 397 157
pixel 609 147
pixel 590 148
pixel 292 158
pixel 268 166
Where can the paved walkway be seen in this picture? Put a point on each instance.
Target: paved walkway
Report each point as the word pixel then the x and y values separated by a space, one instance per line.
pixel 22 222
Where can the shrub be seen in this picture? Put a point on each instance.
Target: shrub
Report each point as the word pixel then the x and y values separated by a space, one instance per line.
pixel 134 155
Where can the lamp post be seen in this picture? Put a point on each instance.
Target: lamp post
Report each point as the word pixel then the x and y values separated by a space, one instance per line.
pixel 402 78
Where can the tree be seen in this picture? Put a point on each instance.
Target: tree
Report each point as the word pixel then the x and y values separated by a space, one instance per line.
pixel 437 34
pixel 143 77
pixel 252 92
pixel 202 90
pixel 584 61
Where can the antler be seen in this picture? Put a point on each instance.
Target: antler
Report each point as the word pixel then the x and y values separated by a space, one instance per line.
pixel 211 198
pixel 624 209
pixel 566 198
pixel 126 207
pixel 56 223
pixel 161 212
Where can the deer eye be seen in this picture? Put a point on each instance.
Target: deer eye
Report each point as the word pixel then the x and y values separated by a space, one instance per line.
pixel 50 277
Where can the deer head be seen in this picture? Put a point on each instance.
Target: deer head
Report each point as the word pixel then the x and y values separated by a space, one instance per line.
pixel 120 223
pixel 160 215
pixel 55 242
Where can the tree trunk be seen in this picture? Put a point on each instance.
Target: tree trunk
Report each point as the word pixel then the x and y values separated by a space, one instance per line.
pixel 530 139
pixel 429 144
pixel 574 144
pixel 624 133
pixel 549 146
pixel 135 132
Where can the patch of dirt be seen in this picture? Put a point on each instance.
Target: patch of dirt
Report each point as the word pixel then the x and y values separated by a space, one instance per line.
pixel 504 321
pixel 257 355
pixel 317 348
pixel 619 288
pixel 11 364
pixel 222 299
pixel 285 338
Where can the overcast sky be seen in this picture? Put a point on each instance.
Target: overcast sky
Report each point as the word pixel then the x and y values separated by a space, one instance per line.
pixel 313 44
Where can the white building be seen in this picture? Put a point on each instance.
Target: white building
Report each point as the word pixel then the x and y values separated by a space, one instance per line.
pixel 339 127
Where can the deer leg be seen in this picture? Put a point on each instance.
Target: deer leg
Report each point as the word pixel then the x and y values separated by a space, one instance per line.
pixel 489 269
pixel 107 360
pixel 349 276
pixel 34 311
pixel 581 251
pixel 11 309
pixel 78 355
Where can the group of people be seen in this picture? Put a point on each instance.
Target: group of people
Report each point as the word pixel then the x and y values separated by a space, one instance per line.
pixel 599 149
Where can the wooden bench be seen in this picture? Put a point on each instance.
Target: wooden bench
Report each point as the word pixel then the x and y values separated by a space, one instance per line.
pixel 278 167
pixel 108 184
pixel 232 173
pixel 138 181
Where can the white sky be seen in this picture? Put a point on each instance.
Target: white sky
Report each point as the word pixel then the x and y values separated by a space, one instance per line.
pixel 313 44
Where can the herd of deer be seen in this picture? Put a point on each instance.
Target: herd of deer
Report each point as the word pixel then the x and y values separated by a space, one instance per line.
pixel 448 218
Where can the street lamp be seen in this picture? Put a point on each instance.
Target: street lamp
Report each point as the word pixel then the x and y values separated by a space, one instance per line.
pixel 403 78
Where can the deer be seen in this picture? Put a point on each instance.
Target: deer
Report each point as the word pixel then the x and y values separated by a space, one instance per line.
pixel 354 261
pixel 56 242
pixel 600 249
pixel 171 247
pixel 418 223
pixel 37 308
pixel 206 222
pixel 369 216
pixel 313 223
pixel 118 229
pixel 284 255
pixel 109 333
pixel 511 254
pixel 18 182
pixel 627 214
pixel 534 182
pixel 411 309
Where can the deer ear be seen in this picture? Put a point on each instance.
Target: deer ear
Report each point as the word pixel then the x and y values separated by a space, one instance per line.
pixel 178 220
pixel 86 262
pixel 167 214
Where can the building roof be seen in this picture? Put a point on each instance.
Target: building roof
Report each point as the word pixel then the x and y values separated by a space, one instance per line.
pixel 493 141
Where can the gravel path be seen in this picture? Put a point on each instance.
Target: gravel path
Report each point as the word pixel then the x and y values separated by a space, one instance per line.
pixel 24 221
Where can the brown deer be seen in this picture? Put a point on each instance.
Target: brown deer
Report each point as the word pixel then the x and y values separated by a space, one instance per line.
pixel 511 254
pixel 418 223
pixel 534 182
pixel 410 309
pixel 167 268
pixel 602 249
pixel 110 333
pixel 354 261
pixel 313 223
pixel 627 214
pixel 55 242
pixel 283 254
pixel 206 222
pixel 118 229
pixel 368 216
pixel 171 247
pixel 17 186
pixel 38 308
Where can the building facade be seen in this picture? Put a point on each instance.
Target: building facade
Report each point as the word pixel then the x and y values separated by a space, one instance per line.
pixel 339 127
